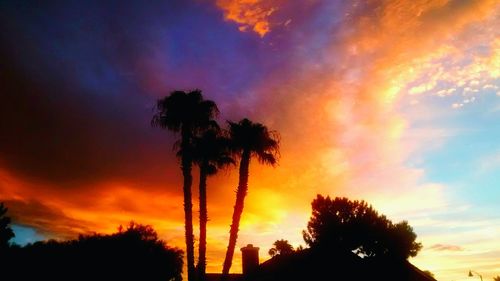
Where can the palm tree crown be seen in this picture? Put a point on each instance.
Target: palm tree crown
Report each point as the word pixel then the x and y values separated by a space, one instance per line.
pixel 256 139
pixel 211 150
pixel 184 110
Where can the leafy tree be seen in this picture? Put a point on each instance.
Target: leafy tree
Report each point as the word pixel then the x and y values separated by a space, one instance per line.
pixel 281 247
pixel 187 114
pixel 356 226
pixel 211 153
pixel 248 140
pixel 6 232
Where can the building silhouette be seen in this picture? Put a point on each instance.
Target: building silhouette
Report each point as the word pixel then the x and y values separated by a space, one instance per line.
pixel 318 265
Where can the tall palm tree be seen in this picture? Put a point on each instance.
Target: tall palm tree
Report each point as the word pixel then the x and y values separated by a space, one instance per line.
pixel 211 153
pixel 189 114
pixel 248 140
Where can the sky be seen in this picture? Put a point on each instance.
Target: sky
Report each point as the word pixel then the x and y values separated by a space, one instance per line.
pixel 393 102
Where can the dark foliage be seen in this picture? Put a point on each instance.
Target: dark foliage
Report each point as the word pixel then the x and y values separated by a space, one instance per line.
pixel 134 253
pixel 6 232
pixel 357 227
pixel 281 247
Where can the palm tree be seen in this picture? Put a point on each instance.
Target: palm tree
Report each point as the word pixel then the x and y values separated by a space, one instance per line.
pixel 189 114
pixel 211 153
pixel 248 140
pixel 281 247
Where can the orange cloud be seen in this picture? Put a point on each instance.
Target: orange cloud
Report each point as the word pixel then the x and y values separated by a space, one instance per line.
pixel 249 14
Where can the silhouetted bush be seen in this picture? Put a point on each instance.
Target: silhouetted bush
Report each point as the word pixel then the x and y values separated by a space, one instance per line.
pixel 356 226
pixel 6 232
pixel 135 253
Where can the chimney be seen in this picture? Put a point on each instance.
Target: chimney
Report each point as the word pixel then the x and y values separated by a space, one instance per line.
pixel 250 258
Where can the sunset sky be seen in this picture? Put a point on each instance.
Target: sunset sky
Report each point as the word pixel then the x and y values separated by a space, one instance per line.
pixel 396 102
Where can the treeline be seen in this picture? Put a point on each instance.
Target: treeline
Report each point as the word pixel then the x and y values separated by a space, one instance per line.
pixel 132 253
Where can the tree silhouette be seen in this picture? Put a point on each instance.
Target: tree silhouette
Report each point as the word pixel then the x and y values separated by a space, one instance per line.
pixel 248 140
pixel 6 232
pixel 210 152
pixel 189 114
pixel 133 253
pixel 281 247
pixel 355 226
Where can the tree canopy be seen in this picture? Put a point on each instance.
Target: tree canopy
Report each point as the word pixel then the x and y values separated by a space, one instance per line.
pixel 357 227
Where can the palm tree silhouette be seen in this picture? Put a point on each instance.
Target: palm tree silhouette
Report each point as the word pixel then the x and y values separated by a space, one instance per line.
pixel 247 139
pixel 281 247
pixel 189 114
pixel 211 153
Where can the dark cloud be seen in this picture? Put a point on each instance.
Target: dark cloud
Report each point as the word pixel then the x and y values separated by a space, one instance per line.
pixel 78 81
pixel 48 221
pixel 69 111
pixel 53 131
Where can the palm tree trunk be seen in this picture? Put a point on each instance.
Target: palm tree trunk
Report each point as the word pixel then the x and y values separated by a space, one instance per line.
pixel 238 210
pixel 202 263
pixel 188 205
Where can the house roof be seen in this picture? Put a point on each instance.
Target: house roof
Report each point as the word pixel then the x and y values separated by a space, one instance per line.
pixel 217 277
pixel 319 264
pixel 324 265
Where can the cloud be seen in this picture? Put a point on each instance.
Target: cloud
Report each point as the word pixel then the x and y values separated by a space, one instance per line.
pixel 249 14
pixel 489 162
pixel 443 247
pixel 42 217
pixel 468 234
